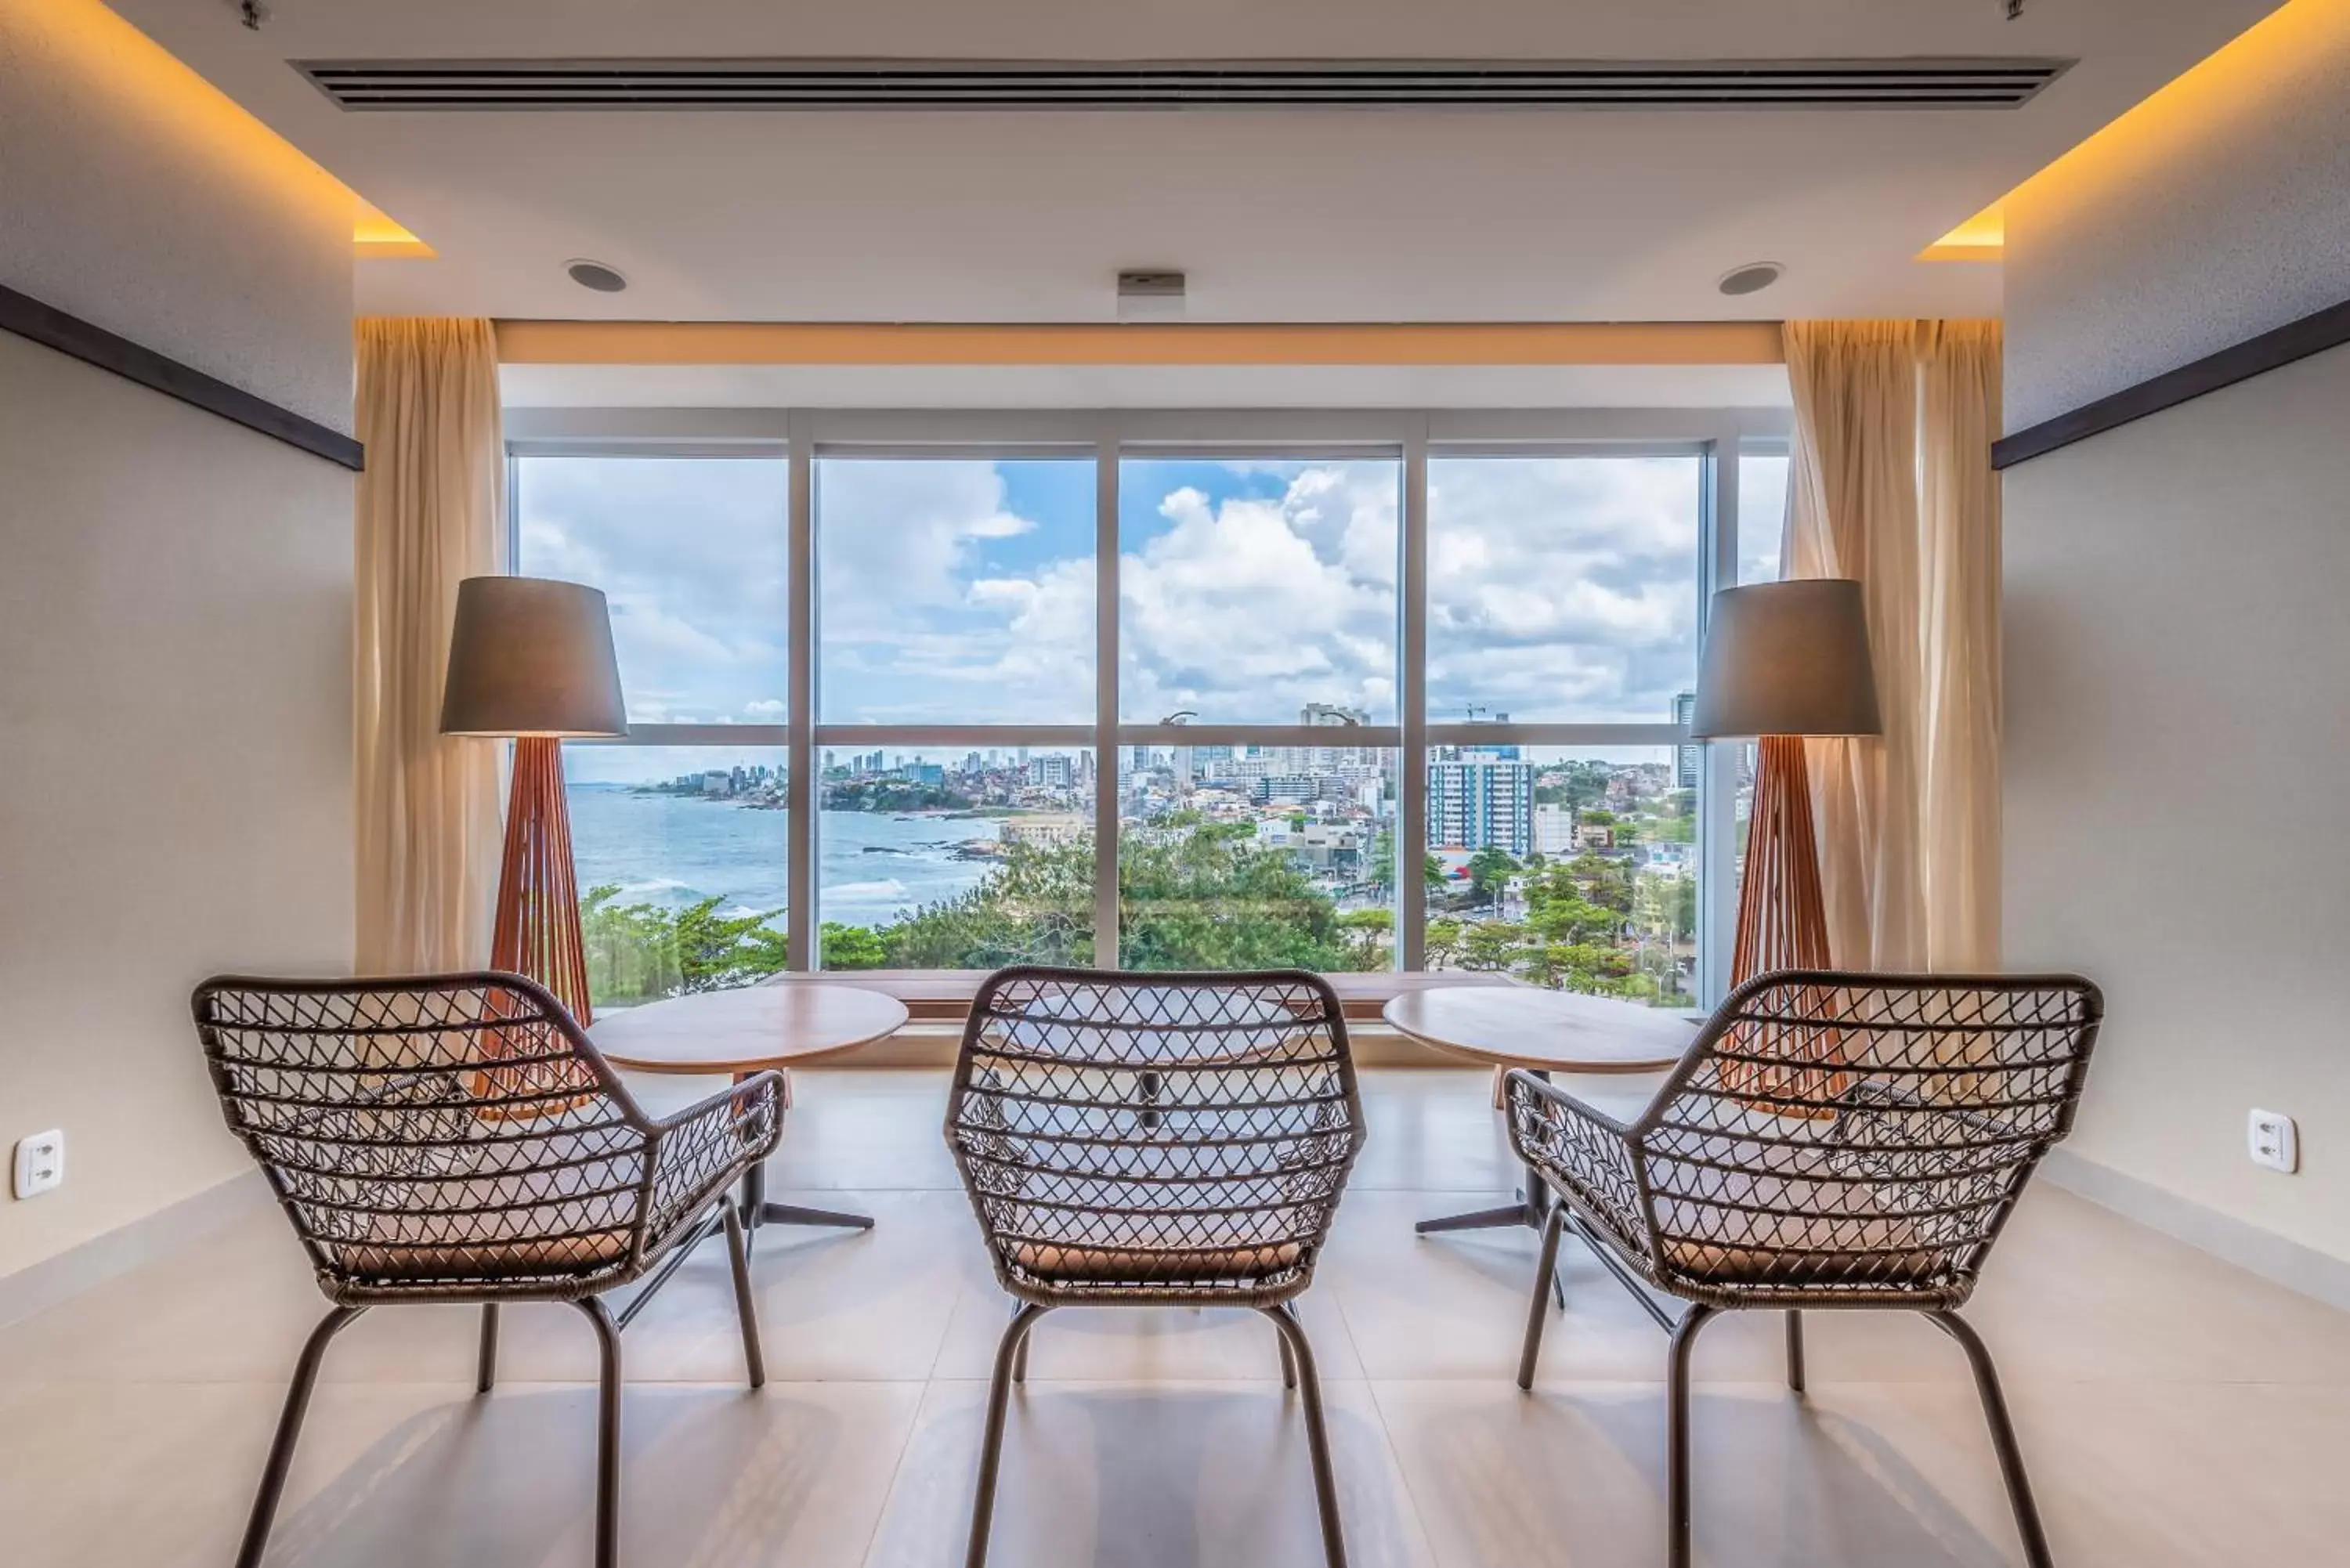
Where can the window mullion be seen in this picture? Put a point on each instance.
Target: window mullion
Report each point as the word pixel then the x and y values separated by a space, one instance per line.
pixel 801 952
pixel 1106 697
pixel 1411 787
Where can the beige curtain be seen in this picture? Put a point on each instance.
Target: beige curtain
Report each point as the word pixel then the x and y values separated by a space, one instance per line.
pixel 1891 484
pixel 1958 543
pixel 431 511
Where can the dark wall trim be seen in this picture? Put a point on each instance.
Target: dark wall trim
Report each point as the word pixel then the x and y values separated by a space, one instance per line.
pixel 2328 329
pixel 28 318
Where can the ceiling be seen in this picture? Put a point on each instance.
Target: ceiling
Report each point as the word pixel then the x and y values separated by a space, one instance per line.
pixel 1276 215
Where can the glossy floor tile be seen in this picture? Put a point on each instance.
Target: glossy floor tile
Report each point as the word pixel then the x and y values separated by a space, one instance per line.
pixel 2174 1410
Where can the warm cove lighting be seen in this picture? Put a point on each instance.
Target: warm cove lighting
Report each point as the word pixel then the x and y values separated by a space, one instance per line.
pixel 142 84
pixel 374 233
pixel 1980 238
pixel 2175 115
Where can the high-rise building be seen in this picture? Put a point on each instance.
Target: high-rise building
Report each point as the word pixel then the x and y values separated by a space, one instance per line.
pixel 1689 762
pixel 1477 801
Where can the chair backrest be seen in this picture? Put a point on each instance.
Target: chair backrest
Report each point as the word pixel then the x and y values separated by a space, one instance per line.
pixel 1130 1135
pixel 1837 1133
pixel 440 1131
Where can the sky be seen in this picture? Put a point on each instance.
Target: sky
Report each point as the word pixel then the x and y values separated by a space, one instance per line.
pixel 962 591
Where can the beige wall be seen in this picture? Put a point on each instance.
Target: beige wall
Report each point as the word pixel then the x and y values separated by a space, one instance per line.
pixel 2178 650
pixel 175 788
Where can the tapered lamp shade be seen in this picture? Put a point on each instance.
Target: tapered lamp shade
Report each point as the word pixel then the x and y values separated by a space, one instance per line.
pixel 1787 659
pixel 531 656
pixel 532 659
pixel 1783 661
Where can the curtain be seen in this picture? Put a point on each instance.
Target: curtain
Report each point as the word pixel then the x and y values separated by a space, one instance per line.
pixel 431 511
pixel 1890 484
pixel 1958 540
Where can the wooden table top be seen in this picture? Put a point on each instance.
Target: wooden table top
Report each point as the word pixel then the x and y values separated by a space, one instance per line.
pixel 944 995
pixel 1551 1030
pixel 747 1029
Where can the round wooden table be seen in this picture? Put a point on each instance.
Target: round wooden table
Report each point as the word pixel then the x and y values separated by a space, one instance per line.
pixel 1545 1032
pixel 748 1030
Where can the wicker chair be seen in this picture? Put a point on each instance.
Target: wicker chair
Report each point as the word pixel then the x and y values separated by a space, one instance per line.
pixel 456 1138
pixel 1147 1139
pixel 1830 1140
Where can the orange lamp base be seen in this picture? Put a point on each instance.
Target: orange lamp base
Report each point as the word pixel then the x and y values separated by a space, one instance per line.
pixel 1783 924
pixel 537 930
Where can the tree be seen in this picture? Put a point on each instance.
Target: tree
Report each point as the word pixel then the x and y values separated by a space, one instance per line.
pixel 639 953
pixel 1490 870
pixel 1490 946
pixel 1443 941
pixel 1369 930
pixel 852 947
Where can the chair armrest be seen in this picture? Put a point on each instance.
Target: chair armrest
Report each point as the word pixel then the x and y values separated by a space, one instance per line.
pixel 707 1146
pixel 1588 1153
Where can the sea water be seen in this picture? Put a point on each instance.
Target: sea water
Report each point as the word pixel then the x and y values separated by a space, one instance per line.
pixel 672 850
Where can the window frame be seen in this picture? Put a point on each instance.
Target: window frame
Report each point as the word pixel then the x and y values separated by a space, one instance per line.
pixel 1718 437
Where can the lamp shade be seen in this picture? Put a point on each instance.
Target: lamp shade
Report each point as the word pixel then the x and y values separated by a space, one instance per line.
pixel 1787 659
pixel 531 656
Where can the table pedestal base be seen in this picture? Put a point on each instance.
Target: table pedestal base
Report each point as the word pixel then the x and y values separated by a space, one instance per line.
pixel 1532 1210
pixel 757 1212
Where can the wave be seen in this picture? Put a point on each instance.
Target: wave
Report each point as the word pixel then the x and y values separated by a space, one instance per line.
pixel 889 888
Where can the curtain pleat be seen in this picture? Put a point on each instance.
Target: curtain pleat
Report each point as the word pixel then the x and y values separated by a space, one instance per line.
pixel 1960 417
pixel 1890 484
pixel 430 512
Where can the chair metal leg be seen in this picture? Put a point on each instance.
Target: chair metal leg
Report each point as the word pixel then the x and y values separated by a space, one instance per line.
pixel 1020 1356
pixel 2002 1437
pixel 1795 1351
pixel 485 1371
pixel 1677 1434
pixel 1545 1280
pixel 1318 1436
pixel 991 1446
pixel 1288 1361
pixel 608 1434
pixel 746 1308
pixel 289 1432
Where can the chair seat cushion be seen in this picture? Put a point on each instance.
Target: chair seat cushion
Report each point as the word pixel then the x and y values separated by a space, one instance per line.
pixel 578 1255
pixel 1122 1247
pixel 1789 1226
pixel 1120 1264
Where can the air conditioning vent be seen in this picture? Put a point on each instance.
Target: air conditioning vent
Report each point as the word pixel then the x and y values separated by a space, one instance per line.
pixel 427 86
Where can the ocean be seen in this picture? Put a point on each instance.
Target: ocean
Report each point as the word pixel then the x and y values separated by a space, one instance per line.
pixel 674 850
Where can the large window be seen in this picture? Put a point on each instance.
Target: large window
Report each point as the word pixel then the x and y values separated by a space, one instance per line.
pixel 1338 691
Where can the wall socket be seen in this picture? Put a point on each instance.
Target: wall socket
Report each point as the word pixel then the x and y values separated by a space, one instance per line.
pixel 2275 1141
pixel 40 1163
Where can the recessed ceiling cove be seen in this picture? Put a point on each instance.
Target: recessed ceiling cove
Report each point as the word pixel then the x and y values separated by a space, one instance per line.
pixel 1314 160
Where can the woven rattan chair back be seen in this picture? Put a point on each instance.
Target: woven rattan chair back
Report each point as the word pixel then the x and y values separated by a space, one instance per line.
pixel 1172 1137
pixel 446 1135
pixel 1832 1135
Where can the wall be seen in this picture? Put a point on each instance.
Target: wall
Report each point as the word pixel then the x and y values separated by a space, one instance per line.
pixel 2177 646
pixel 175 775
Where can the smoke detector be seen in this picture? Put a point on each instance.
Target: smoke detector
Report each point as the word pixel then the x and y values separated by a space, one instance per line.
pixel 1751 278
pixel 597 275
pixel 1150 293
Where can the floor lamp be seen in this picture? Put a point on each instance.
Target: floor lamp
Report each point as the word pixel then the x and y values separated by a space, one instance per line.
pixel 1784 661
pixel 532 660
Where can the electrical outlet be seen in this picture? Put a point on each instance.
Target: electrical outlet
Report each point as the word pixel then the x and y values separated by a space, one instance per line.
pixel 40 1163
pixel 2275 1141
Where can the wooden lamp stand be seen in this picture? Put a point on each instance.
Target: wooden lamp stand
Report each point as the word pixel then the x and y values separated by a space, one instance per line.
pixel 1783 924
pixel 1783 917
pixel 537 928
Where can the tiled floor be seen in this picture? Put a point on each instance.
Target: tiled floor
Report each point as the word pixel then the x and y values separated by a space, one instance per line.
pixel 2174 1410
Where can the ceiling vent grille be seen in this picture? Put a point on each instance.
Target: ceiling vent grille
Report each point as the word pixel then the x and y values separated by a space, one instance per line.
pixel 425 86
